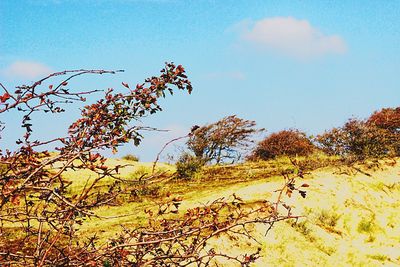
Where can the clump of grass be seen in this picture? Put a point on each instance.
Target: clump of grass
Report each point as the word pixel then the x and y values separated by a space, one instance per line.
pixel 131 157
pixel 303 227
pixel 378 257
pixel 326 249
pixel 328 218
pixel 366 226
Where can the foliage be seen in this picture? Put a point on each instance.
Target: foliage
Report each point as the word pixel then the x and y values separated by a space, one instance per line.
pixel 358 140
pixel 188 165
pixel 222 140
pixel 40 216
pixel 387 118
pixel 287 142
pixel 131 157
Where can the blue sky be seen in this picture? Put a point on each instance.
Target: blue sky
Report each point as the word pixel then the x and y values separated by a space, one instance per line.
pixel 304 64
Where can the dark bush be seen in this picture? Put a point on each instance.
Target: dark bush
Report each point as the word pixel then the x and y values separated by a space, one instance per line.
pixel 131 157
pixel 287 142
pixel 188 165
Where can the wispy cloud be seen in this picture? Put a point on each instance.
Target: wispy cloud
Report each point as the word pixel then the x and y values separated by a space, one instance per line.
pixel 290 36
pixel 26 70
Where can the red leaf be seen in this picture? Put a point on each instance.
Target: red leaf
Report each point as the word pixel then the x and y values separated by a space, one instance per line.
pixel 125 84
pixel 15 200
pixel 4 97
pixel 64 83
pixel 304 185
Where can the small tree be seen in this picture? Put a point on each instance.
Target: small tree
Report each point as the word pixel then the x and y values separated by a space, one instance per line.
pixel 222 140
pixel 286 142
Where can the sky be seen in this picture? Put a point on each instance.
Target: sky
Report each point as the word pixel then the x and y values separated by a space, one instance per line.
pixel 309 65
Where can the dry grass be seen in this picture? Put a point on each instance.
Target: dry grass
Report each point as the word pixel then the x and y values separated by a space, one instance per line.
pixel 350 219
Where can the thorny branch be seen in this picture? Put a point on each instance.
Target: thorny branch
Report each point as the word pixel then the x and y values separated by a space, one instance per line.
pixel 40 213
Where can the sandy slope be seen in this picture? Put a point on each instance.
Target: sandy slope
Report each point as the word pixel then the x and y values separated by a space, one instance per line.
pixel 351 220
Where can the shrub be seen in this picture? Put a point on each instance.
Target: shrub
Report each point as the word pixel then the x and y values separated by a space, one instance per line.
pixel 287 142
pixel 131 157
pixel 357 140
pixel 387 118
pixel 222 140
pixel 188 165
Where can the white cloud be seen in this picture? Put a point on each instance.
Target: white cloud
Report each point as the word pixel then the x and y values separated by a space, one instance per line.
pixel 291 36
pixel 27 70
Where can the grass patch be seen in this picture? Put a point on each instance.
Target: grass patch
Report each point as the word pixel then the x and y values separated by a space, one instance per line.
pixel 304 228
pixel 328 218
pixel 366 226
pixel 378 257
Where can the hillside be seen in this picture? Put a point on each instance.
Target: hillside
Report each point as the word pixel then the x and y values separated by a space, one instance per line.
pixel 350 218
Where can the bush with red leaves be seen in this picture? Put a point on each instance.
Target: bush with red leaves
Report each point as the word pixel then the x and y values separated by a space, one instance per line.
pixel 359 140
pixel 387 118
pixel 287 142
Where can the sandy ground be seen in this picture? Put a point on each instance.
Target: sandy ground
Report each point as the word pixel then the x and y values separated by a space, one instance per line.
pixel 350 220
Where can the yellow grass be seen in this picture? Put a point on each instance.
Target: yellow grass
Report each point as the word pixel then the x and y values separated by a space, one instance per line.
pixel 350 220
